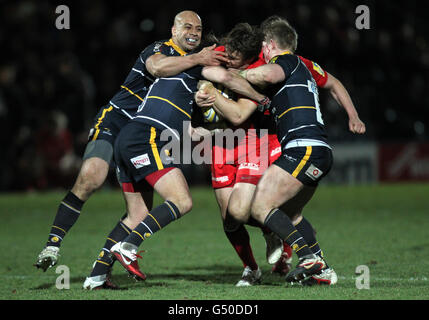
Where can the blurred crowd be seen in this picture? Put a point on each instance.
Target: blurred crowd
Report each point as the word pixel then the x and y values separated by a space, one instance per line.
pixel 52 82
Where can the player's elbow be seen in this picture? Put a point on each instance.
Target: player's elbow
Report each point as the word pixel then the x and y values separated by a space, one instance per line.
pixel 217 74
pixel 261 79
pixel 157 71
pixel 224 76
pixel 237 120
pixel 158 68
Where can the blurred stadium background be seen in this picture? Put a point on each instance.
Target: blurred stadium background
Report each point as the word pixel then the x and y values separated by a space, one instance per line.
pixel 52 82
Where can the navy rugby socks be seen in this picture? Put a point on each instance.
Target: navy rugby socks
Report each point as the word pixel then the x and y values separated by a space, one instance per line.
pixel 305 228
pixel 67 214
pixel 281 225
pixel 157 219
pixel 105 261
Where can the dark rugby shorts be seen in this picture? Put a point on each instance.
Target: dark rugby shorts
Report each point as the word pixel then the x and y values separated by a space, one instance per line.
pixel 107 124
pixel 307 164
pixel 138 153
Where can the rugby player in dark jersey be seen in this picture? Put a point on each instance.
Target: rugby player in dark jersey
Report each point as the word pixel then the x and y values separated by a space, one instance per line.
pixel 162 58
pixel 306 158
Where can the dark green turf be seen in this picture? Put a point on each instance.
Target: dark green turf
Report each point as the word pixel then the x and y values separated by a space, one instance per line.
pixel 383 227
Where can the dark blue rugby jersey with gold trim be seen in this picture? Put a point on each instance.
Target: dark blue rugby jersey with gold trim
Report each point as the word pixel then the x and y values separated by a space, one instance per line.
pixel 138 81
pixel 295 102
pixel 169 101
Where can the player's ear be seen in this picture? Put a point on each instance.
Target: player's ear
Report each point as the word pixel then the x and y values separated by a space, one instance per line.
pixel 173 31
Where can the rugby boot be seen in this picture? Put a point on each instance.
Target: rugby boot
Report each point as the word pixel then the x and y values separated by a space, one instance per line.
pixel 328 276
pixel 307 266
pixel 47 258
pixel 126 254
pixel 249 277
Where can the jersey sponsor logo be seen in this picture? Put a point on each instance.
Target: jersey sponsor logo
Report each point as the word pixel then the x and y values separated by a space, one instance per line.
pixel 275 151
pixel 221 179
pixel 312 86
pixel 248 165
pixel 140 161
pixel 107 131
pixel 289 158
pixel 313 172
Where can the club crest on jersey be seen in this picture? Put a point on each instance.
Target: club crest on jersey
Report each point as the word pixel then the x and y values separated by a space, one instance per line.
pixel 156 47
pixel 313 172
pixel 140 161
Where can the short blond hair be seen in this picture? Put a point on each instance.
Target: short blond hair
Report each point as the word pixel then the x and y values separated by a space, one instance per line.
pixel 281 31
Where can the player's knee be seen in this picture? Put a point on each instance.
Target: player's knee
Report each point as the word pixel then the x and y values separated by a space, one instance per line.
pixel 132 220
pixel 184 204
pixel 296 218
pixel 258 211
pixel 238 211
pixel 91 176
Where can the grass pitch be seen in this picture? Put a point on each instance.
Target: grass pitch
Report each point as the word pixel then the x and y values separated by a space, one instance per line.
pixel 383 227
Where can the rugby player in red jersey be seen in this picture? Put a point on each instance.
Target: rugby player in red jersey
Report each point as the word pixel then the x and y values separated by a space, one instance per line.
pixel 235 184
pixel 235 169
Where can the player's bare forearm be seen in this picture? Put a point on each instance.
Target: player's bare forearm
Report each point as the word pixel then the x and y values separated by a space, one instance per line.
pixel 264 75
pixel 232 81
pixel 160 65
pixel 163 66
pixel 238 84
pixel 341 95
pixel 235 112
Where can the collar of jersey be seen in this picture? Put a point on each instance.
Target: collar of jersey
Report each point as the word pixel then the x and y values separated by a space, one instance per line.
pixel 273 59
pixel 175 47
